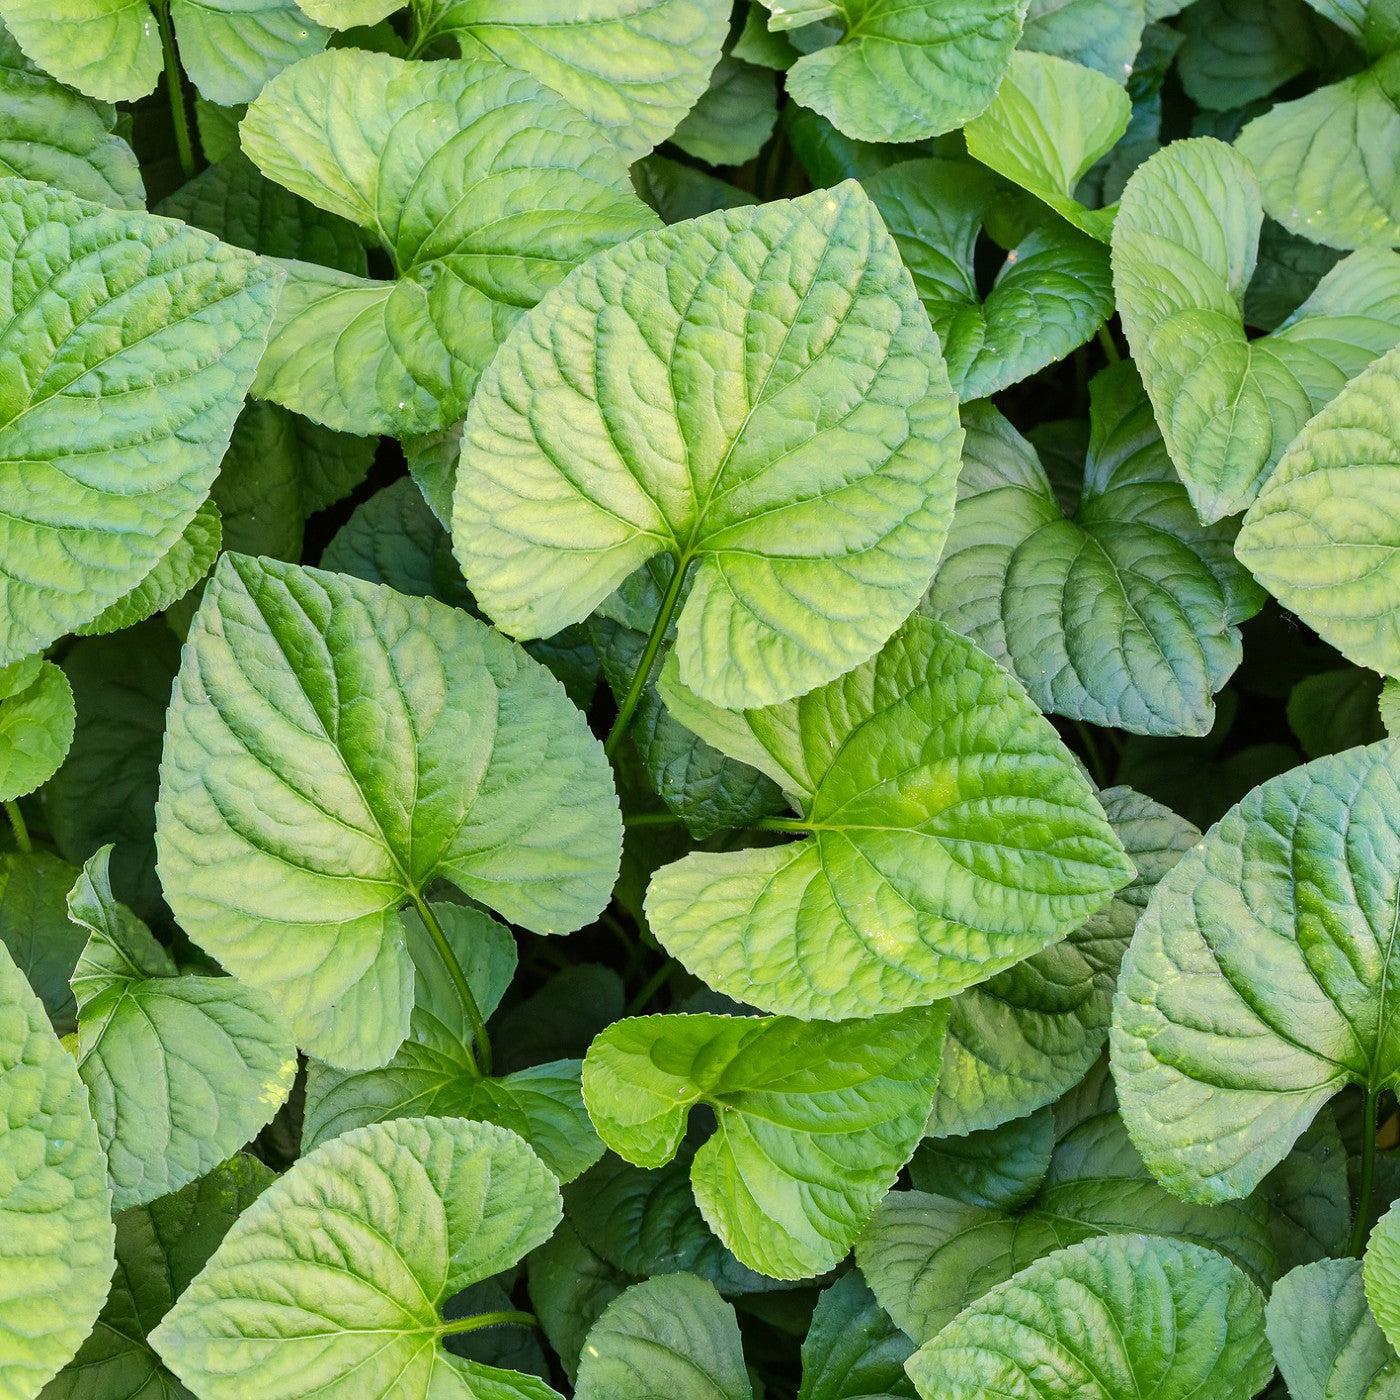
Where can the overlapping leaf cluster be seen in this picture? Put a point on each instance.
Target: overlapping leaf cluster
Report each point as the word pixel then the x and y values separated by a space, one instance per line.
pixel 821 502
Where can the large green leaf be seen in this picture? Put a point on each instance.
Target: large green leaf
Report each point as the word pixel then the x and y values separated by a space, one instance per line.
pixel 1126 615
pixel 335 747
pixel 37 716
pixel 669 1338
pixel 1322 535
pixel 108 49
pixel 35 927
pixel 852 1351
pixel 333 1281
pixel 55 1226
pixel 1102 34
pixel 483 187
pixel 99 305
pixel 1184 246
pixel 1326 162
pixel 784 421
pixel 635 67
pixel 160 1248
pixel 903 71
pixel 947 834
pixel 1257 982
pixel 930 1256
pixel 815 1120
pixel 230 48
pixel 51 134
pixel 182 1071
pixel 1113 1317
pixel 1053 290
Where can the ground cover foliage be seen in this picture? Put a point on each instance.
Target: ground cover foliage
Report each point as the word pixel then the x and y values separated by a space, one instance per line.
pixel 693 700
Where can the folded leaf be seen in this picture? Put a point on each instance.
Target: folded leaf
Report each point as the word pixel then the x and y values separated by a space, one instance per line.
pixel 335 747
pixel 55 1223
pixel 367 1238
pixel 852 1350
pixel 1112 1317
pixel 1257 985
pixel 947 834
pixel 36 725
pixel 816 1120
pixel 782 418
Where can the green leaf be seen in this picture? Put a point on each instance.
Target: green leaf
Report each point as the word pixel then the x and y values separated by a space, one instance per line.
pixel 230 48
pixel 569 1288
pixel 434 1071
pixel 182 1071
pixel 1324 161
pixel 1324 1338
pixel 852 1350
pixel 947 834
pixel 160 1248
pixel 1101 34
pixel 734 116
pixel 1184 247
pixel 928 1257
pixel 52 134
pixel 999 1168
pixel 559 1021
pixel 1321 537
pixel 904 72
pixel 1123 1315
pixel 634 67
pixel 37 715
pixel 1382 1274
pixel 1390 706
pixel 1256 983
pixel 133 305
pixel 678 192
pixel 786 423
pixel 1126 615
pixel 348 14
pixel 367 1238
pixel 1288 271
pixel 55 1227
pixel 298 815
pixel 484 188
pixel 1309 1197
pixel 1048 123
pixel 1052 292
pixel 1334 710
pixel 1374 24
pixel 669 1338
pixel 35 928
pixel 1020 1040
pixel 108 49
pixel 816 1120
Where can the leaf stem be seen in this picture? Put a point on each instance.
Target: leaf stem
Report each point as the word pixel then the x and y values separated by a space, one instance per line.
pixel 491 1319
pixel 782 824
pixel 21 831
pixel 459 978
pixel 178 115
pixel 659 629
pixel 1368 1174
pixel 652 819
pixel 650 987
pixel 1109 345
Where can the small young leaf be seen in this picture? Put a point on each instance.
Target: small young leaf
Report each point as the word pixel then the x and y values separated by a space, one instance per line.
pixel 817 1118
pixel 852 1350
pixel 368 1237
pixel 230 48
pixel 35 927
pixel 1112 1317
pixel 37 716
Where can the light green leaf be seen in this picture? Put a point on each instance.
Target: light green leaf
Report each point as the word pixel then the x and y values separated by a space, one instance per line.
pixel 569 1288
pixel 1052 292
pixel 669 1338
pixel 1126 615
pixel 160 1248
pixel 816 1120
pixel 852 1350
pixel 634 67
pixel 999 1168
pixel 35 927
pixel 230 48
pixel 108 49
pixel 1048 123
pixel 1324 1338
pixel 135 306
pixel 1028 1035
pixel 948 834
pixel 929 1256
pixel 55 1226
pixel 51 134
pixel 366 1238
pixel 1101 34
pixel 1330 711
pixel 905 71
pixel 298 814
pixel 734 116
pixel 1322 535
pixel 182 1071
pixel 1184 246
pixel 1256 983
pixel 348 14
pixel 785 422
pixel 1124 1315
pixel 37 715
pixel 1382 1274
pixel 1374 24
pixel 485 189
pixel 1325 162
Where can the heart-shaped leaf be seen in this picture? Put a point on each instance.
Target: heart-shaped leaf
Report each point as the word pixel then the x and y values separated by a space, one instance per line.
pixel 334 748
pixel 785 421
pixel 816 1120
pixel 37 716
pixel 948 834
